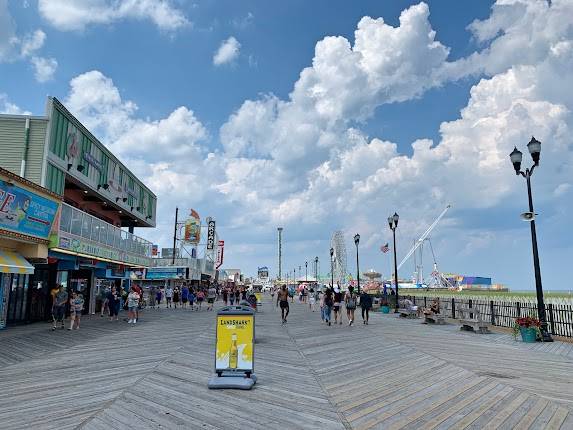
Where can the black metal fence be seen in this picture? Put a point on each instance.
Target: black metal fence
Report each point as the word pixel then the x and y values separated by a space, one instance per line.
pixel 503 314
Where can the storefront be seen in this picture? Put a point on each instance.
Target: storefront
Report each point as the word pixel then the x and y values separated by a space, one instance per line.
pixel 27 214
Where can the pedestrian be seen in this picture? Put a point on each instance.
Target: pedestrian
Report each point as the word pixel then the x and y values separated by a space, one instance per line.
pixel 192 298
pixel 232 297
pixel 200 298
pixel 103 297
pixel 322 307
pixel 152 298
pixel 158 297
pixel 168 296
pixel 350 301
pixel 237 296
pixel 113 300
pixel 211 295
pixel 59 307
pixel 139 291
pixel 282 299
pixel 337 297
pixel 225 296
pixel 311 299
pixel 328 304
pixel 176 297
pixel 76 308
pixel 365 305
pixel 243 293
pixel 184 296
pixel 132 302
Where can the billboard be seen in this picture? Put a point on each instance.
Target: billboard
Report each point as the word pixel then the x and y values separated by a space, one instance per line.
pixel 154 250
pixel 263 272
pixel 210 234
pixel 25 212
pixel 220 253
pixel 235 340
pixel 192 232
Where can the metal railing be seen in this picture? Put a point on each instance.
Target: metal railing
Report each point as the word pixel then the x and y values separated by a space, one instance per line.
pixel 86 226
pixel 503 313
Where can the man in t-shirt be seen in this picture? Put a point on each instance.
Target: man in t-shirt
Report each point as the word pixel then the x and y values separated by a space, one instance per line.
pixel 282 299
pixel 168 296
pixel 211 295
pixel 59 306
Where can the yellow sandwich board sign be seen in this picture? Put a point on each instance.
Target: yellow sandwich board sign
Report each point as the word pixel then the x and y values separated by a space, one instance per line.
pixel 235 343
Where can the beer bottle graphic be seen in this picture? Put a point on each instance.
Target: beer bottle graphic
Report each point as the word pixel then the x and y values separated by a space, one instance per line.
pixel 233 352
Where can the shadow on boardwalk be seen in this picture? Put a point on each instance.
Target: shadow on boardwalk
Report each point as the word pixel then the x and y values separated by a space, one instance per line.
pixel 390 374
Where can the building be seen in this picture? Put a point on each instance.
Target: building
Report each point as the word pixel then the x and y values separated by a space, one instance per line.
pixel 92 245
pixel 27 215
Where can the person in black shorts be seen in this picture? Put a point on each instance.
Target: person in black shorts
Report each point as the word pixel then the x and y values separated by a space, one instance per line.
pixel 282 299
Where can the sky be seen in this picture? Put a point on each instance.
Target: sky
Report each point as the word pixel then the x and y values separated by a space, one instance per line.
pixel 322 116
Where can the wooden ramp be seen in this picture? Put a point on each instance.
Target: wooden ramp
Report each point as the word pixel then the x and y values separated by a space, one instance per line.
pixel 391 374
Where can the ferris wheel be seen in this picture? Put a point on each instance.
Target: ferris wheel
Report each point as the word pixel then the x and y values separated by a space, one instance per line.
pixel 339 258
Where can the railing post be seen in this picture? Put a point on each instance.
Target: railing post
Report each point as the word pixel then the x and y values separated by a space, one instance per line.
pixel 492 312
pixel 453 308
pixel 518 306
pixel 551 322
pixel 425 302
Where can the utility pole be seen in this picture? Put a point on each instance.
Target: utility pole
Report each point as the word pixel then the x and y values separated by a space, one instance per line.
pixel 280 238
pixel 174 237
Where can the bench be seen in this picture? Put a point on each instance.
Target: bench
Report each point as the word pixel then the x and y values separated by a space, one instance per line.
pixel 435 318
pixel 408 313
pixel 470 319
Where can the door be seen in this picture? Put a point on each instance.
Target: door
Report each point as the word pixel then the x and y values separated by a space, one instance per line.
pixel 80 282
pixel 17 299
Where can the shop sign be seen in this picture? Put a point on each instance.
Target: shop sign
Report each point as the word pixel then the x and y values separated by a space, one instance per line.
pixel 165 273
pixel 154 250
pixel 220 255
pixel 235 336
pixel 211 234
pixel 92 161
pixel 192 232
pixel 25 212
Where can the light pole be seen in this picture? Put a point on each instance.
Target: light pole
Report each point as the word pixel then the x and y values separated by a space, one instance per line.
pixel 316 269
pixel 332 267
pixel 306 271
pixel 534 147
pixel 393 223
pixel 356 242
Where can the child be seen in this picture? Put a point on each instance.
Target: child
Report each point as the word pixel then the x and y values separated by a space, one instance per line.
pixel 76 308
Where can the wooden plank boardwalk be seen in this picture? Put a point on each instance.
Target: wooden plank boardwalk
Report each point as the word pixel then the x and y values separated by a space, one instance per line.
pixel 391 374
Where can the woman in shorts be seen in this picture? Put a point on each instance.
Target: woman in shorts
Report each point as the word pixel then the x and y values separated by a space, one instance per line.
pixel 76 308
pixel 350 301
pixel 200 298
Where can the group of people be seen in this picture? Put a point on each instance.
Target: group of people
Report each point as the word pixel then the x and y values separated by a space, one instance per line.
pixel 183 296
pixel 331 302
pixel 61 299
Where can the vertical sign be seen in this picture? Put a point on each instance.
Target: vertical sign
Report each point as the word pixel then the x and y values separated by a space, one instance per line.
pixel 220 255
pixel 211 234
pixel 235 339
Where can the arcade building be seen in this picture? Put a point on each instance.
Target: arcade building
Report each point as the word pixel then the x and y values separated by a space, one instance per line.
pixel 91 243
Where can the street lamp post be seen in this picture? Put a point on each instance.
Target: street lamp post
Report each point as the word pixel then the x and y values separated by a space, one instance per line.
pixel 356 242
pixel 393 223
pixel 534 147
pixel 306 271
pixel 316 269
pixel 332 267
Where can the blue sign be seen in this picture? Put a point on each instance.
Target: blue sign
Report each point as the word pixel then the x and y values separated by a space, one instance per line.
pixel 165 273
pixel 25 212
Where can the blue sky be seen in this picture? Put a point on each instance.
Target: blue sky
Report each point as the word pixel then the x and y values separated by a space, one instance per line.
pixel 260 145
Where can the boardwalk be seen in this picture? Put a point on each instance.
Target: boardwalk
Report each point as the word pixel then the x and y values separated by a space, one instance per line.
pixel 391 374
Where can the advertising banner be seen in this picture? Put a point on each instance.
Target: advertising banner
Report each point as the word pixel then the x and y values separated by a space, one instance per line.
pixel 235 343
pixel 263 272
pixel 165 273
pixel 192 232
pixel 154 250
pixel 211 234
pixel 25 212
pixel 220 253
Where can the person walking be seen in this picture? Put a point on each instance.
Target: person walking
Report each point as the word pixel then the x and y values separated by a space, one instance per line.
pixel 176 297
pixel 168 296
pixel 225 296
pixel 76 308
pixel 328 302
pixel 192 299
pixel 311 299
pixel 232 297
pixel 282 299
pixel 200 298
pixel 158 297
pixel 211 295
pixel 337 297
pixel 152 298
pixel 132 303
pixel 59 307
pixel 184 296
pixel 104 302
pixel 113 300
pixel 237 296
pixel 365 305
pixel 350 302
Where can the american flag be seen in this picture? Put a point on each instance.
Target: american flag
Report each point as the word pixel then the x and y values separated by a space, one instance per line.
pixel 385 248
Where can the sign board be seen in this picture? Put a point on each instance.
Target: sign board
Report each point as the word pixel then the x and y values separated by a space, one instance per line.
pixel 220 253
pixel 165 273
pixel 211 234
pixel 168 253
pixel 192 232
pixel 235 343
pixel 154 250
pixel 25 212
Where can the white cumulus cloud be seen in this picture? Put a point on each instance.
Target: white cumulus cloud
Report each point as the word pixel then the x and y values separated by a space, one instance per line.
pixel 7 107
pixel 44 68
pixel 78 14
pixel 227 52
